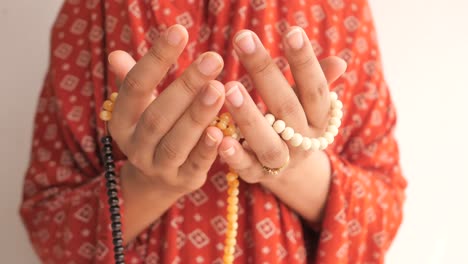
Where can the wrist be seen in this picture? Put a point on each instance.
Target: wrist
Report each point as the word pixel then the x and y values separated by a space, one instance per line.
pixel 144 201
pixel 304 186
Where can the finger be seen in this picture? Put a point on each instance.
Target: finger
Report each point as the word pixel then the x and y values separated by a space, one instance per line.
pixel 310 80
pixel 243 162
pixel 269 80
pixel 333 68
pixel 161 115
pixel 201 158
pixel 139 84
pixel 264 141
pixel 120 63
pixel 175 146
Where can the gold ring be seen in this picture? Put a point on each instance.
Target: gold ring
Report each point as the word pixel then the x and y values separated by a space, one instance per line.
pixel 275 171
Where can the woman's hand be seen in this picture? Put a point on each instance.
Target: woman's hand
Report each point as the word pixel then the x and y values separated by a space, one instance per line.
pixel 305 109
pixel 166 138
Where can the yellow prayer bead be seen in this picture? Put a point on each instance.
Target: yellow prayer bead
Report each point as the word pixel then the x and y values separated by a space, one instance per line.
pixel 233 191
pixel 230 229
pixel 108 105
pixel 222 125
pixel 113 96
pixel 105 115
pixel 232 200
pixel 235 136
pixel 232 217
pixel 233 209
pixel 234 184
pixel 229 131
pixel 232 226
pixel 231 234
pixel 226 116
pixel 229 250
pixel 228 258
pixel 230 242
pixel 231 176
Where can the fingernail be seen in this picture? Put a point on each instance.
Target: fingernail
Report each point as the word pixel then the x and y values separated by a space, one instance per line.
pixel 174 36
pixel 210 140
pixel 209 64
pixel 234 96
pixel 229 152
pixel 210 95
pixel 110 59
pixel 295 39
pixel 246 42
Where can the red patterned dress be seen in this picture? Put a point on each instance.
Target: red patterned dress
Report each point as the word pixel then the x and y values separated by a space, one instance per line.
pixel 64 205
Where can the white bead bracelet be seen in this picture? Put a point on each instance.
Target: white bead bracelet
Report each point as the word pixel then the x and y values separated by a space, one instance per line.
pixel 314 144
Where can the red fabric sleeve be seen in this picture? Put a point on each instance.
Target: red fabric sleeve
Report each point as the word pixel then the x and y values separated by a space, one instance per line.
pixel 364 208
pixel 65 207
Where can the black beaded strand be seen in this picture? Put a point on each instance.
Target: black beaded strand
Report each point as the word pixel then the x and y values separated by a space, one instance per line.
pixel 113 200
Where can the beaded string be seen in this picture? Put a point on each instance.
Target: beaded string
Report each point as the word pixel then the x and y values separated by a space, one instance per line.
pixel 225 124
pixel 312 144
pixel 111 183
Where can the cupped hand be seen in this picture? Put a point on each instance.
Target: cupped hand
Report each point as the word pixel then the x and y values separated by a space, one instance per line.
pixel 304 108
pixel 166 139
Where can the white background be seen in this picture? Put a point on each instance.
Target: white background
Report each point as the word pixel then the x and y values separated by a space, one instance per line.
pixel 425 51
